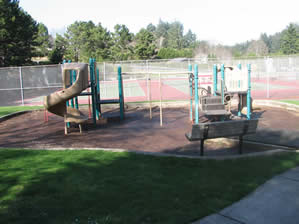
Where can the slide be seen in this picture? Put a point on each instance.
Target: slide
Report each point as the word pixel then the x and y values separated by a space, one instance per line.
pixel 56 102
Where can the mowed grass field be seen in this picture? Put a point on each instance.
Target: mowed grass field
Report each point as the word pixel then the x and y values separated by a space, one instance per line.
pixel 38 186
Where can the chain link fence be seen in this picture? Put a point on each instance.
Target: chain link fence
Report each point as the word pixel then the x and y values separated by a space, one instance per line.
pixel 272 78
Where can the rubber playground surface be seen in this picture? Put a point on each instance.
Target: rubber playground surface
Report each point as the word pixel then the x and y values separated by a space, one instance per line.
pixel 138 133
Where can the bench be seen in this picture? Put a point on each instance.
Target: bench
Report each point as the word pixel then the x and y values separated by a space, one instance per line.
pixel 209 130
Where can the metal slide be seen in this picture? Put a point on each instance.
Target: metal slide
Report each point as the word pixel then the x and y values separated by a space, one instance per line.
pixel 56 102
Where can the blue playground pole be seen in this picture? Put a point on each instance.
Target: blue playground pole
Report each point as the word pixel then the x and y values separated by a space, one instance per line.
pixel 121 93
pixel 222 82
pixel 190 86
pixel 196 93
pixel 249 93
pixel 215 76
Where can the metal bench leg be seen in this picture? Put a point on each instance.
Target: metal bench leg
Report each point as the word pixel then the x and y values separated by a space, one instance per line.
pixel 240 144
pixel 201 146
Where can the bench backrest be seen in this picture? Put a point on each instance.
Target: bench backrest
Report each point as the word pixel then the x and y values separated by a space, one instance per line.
pixel 223 129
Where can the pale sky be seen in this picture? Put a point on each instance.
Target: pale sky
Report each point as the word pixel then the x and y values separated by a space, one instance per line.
pixel 226 22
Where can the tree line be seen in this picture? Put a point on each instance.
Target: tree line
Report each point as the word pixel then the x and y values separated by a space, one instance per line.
pixel 85 39
pixel 22 39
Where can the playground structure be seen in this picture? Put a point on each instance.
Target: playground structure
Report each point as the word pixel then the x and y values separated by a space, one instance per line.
pixel 231 82
pixel 150 76
pixel 213 106
pixel 77 78
pixel 213 101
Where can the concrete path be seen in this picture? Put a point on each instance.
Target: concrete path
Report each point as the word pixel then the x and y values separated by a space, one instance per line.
pixel 275 202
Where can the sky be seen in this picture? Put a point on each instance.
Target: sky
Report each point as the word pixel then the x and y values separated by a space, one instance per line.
pixel 226 22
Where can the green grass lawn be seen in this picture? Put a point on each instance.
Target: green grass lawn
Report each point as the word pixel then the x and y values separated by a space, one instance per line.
pixel 12 109
pixel 296 102
pixel 107 187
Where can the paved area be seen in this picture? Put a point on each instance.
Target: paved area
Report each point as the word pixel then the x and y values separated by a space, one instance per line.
pixel 275 202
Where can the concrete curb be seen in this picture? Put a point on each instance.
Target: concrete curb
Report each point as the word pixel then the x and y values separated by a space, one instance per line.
pixel 277 104
pixel 15 114
pixel 159 154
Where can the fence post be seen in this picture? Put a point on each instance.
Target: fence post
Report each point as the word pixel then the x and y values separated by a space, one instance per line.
pixel 268 84
pixel 249 93
pixel 21 85
pixel 104 71
pixel 191 90
pixel 222 82
pixel 196 93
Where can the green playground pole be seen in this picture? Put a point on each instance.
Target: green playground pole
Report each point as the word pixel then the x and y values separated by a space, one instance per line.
pixel 222 83
pixel 98 108
pixel 93 90
pixel 196 93
pixel 215 76
pixel 249 93
pixel 190 86
pixel 121 93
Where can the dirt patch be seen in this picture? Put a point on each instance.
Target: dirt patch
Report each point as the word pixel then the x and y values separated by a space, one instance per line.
pixel 137 132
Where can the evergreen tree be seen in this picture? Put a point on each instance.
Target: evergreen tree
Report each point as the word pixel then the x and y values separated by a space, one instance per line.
pixel 57 53
pixel 175 35
pixel 42 40
pixel 17 34
pixel 290 41
pixel 85 40
pixel 122 40
pixel 145 46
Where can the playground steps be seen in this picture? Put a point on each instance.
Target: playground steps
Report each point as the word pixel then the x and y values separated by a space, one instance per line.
pixel 212 105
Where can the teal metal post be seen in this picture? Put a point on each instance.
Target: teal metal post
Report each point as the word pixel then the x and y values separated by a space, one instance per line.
pixel 121 93
pixel 196 93
pixel 98 108
pixel 191 90
pixel 93 90
pixel 249 93
pixel 222 82
pixel 215 76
